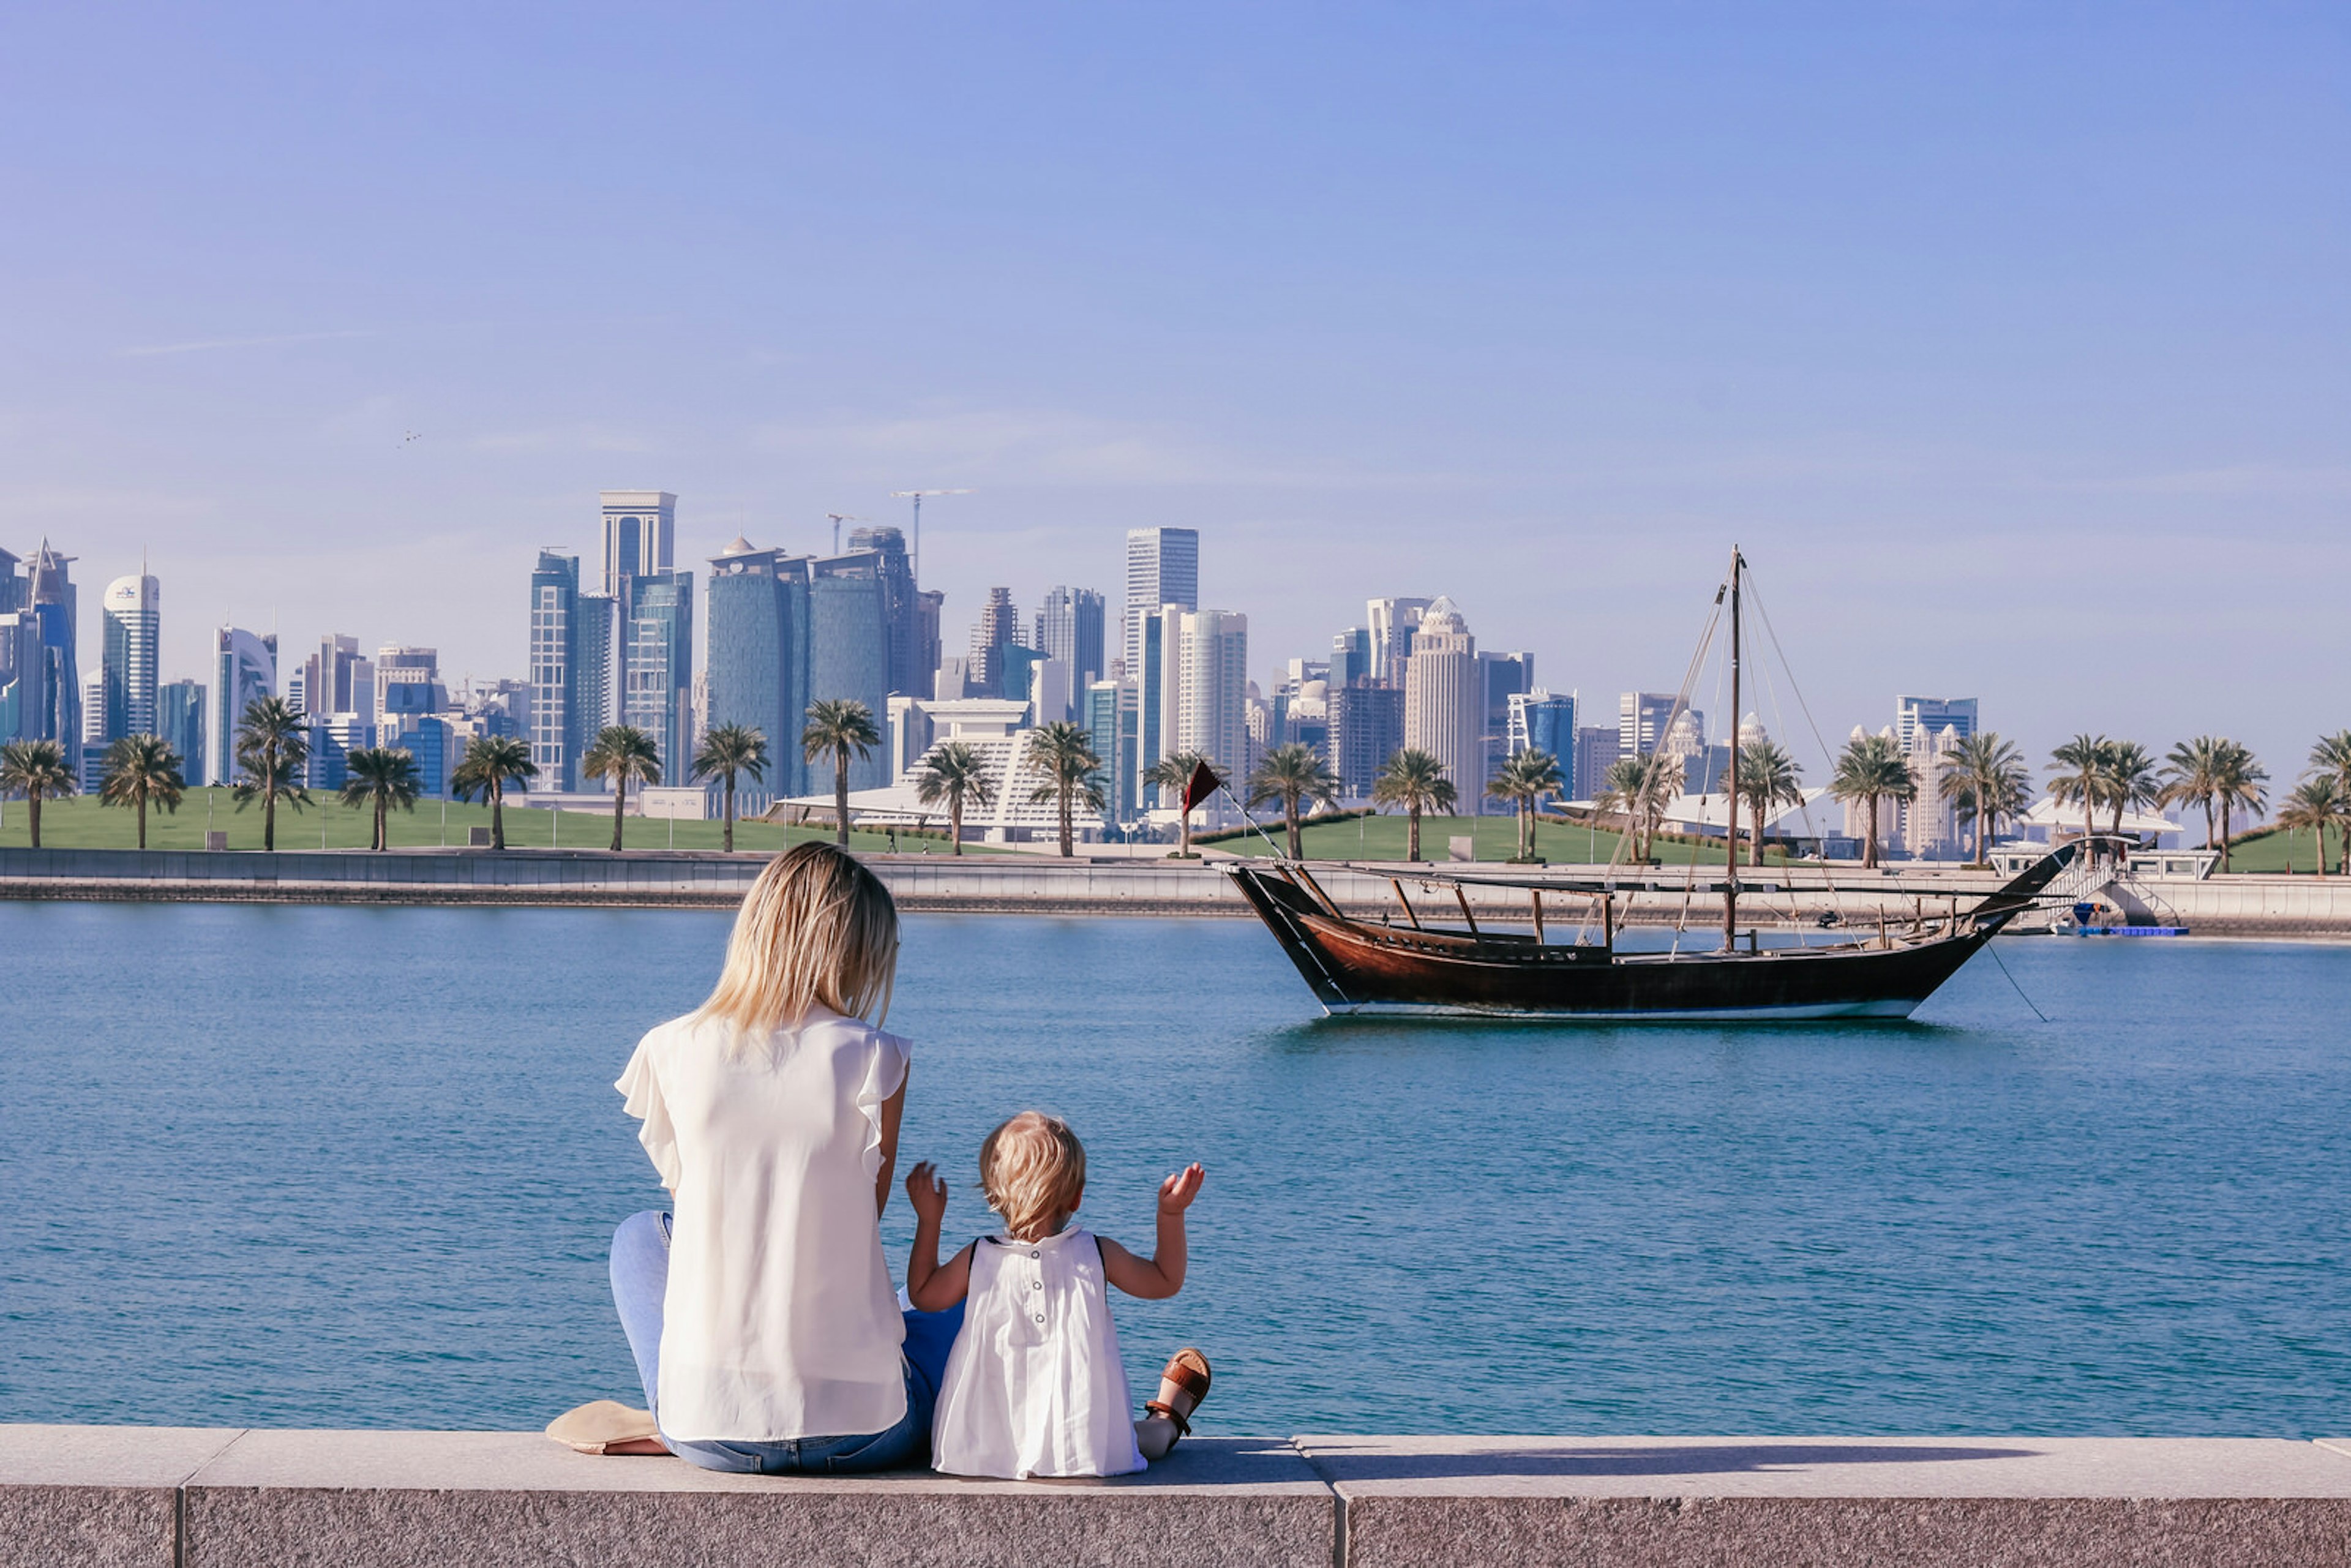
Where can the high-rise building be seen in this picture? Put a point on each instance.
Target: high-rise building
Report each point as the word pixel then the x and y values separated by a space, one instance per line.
pixel 849 654
pixel 927 651
pixel 1070 628
pixel 1392 623
pixel 1350 657
pixel 132 619
pixel 1162 567
pixel 913 658
pixel 328 677
pixel 1445 701
pixel 1501 676
pixel 94 741
pixel 758 657
pixel 245 670
pixel 596 647
pixel 1916 719
pixel 1597 748
pixel 1545 722
pixel 12 587
pixel 998 628
pixel 24 676
pixel 1110 720
pixel 1213 720
pixel 1641 721
pixel 657 668
pixel 180 720
pixel 640 536
pixel 558 730
pixel 50 593
pixel 396 666
pixel 1155 676
pixel 1366 729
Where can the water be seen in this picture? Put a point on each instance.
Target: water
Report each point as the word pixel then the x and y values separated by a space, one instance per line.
pixel 277 1165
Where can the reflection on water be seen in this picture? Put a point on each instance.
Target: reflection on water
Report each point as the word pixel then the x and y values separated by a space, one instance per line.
pixel 358 1166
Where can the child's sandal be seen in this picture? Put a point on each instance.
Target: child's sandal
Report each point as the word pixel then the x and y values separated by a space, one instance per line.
pixel 1187 1369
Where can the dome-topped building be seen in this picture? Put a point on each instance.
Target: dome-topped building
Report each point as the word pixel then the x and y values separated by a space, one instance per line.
pixel 1445 701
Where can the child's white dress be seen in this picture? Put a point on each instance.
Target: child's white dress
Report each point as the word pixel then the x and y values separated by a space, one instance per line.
pixel 1035 1386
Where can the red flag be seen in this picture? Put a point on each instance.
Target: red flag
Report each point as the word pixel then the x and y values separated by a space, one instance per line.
pixel 1204 783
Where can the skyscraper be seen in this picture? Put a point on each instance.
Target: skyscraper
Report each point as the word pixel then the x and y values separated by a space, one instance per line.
pixel 1366 729
pixel 1393 623
pixel 1213 719
pixel 180 720
pixel 557 703
pixel 327 676
pixel 849 654
pixel 245 670
pixel 50 593
pixel 1110 721
pixel 1350 657
pixel 1149 667
pixel 1545 722
pixel 913 658
pixel 24 666
pixel 998 628
pixel 1641 720
pixel 640 534
pixel 758 657
pixel 1597 748
pixel 1501 676
pixel 1445 701
pixel 657 667
pixel 1070 628
pixel 94 743
pixel 1163 566
pixel 132 625
pixel 1916 718
pixel 398 666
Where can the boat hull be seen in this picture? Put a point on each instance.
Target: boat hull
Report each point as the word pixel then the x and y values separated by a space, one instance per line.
pixel 1358 967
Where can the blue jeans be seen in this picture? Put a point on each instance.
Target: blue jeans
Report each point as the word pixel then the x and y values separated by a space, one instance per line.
pixel 641 1280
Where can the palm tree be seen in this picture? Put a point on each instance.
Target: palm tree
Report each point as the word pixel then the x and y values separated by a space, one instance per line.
pixel 2317 803
pixel 956 773
pixel 2130 779
pixel 1989 777
pixel 1291 774
pixel 1062 755
pixel 1768 777
pixel 1639 789
pixel 837 727
pixel 622 752
pixel 1523 779
pixel 1872 769
pixel 727 750
pixel 2238 781
pixel 141 768
pixel 36 770
pixel 2331 758
pixel 491 763
pixel 1172 774
pixel 2191 777
pixel 273 754
pixel 384 777
pixel 2082 763
pixel 1417 781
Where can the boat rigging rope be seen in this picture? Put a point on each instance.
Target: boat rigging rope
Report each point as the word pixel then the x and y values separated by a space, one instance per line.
pixel 1763 614
pixel 1681 703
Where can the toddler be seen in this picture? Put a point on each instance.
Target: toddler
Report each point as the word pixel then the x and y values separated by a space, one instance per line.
pixel 1034 1385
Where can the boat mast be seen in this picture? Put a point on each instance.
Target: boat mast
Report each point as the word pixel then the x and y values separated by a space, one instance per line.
pixel 1730 832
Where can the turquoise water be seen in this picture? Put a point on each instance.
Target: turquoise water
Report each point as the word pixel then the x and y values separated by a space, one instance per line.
pixel 281 1165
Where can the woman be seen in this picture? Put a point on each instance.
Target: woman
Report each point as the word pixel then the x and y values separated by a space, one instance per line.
pixel 759 1310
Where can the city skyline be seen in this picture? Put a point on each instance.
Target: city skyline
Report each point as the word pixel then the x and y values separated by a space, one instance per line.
pixel 2006 349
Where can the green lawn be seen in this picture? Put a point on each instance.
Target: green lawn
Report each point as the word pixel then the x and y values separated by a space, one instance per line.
pixel 1382 838
pixel 81 822
pixel 2274 850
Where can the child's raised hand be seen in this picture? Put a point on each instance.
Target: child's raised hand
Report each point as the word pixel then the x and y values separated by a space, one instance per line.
pixel 1177 1193
pixel 927 1191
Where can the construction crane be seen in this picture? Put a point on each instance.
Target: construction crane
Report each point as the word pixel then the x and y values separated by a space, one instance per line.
pixel 917 496
pixel 838 518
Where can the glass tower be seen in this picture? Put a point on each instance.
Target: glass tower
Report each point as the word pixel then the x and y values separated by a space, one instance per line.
pixel 757 656
pixel 657 668
pixel 245 671
pixel 132 625
pixel 849 654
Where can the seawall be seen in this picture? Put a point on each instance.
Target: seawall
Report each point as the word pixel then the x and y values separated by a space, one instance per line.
pixel 1793 897
pixel 114 1497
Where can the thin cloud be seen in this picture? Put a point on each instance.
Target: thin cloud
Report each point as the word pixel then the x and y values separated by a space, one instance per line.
pixel 204 345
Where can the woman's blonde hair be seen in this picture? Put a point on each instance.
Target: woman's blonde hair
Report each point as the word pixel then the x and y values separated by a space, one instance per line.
pixel 1034 1170
pixel 816 928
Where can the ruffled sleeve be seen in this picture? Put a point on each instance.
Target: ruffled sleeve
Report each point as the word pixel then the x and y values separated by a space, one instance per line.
pixel 641 1088
pixel 885 1073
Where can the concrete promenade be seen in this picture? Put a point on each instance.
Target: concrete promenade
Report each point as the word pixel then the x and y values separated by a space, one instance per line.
pixel 1796 896
pixel 205 1498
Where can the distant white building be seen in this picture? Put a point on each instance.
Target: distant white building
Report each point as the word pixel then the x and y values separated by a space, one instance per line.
pixel 1445 701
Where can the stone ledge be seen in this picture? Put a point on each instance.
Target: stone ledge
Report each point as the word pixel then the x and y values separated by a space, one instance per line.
pixel 201 1498
pixel 1650 1502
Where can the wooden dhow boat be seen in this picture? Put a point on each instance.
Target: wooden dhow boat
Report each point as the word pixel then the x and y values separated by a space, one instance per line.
pixel 1358 966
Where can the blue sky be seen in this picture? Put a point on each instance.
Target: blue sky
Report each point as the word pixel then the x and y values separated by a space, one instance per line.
pixel 2010 341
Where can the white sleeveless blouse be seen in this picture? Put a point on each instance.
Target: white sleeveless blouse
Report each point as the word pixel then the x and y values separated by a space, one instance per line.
pixel 1035 1386
pixel 780 1320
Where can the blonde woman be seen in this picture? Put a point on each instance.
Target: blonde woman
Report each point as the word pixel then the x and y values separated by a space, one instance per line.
pixel 759 1310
